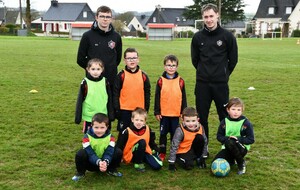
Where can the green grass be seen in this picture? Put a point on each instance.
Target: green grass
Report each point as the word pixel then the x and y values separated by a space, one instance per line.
pixel 39 138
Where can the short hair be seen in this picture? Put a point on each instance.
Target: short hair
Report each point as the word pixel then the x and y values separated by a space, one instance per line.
pixel 209 6
pixel 95 61
pixel 100 118
pixel 235 101
pixel 103 9
pixel 130 50
pixel 172 58
pixel 189 112
pixel 139 111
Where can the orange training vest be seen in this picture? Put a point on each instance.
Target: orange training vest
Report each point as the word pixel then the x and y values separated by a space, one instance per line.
pixel 170 97
pixel 188 138
pixel 132 92
pixel 132 140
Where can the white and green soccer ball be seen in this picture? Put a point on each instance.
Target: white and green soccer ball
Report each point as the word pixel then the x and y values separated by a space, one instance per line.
pixel 220 167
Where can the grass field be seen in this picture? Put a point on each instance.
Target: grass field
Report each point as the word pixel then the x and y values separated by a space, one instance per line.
pixel 39 138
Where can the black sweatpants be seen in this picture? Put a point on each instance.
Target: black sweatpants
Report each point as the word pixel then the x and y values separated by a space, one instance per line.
pixel 82 161
pixel 205 93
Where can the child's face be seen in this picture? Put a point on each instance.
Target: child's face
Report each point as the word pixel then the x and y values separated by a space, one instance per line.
pixel 191 122
pixel 99 128
pixel 170 67
pixel 132 60
pixel 95 70
pixel 235 111
pixel 138 121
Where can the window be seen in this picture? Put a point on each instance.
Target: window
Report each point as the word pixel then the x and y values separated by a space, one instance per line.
pixel 177 19
pixel 288 10
pixel 154 19
pixel 271 10
pixel 183 19
pixel 84 14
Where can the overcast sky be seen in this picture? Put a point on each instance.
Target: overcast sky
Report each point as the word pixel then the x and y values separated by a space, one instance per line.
pixel 121 6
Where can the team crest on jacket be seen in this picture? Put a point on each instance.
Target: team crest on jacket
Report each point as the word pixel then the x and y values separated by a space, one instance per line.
pixel 111 44
pixel 219 42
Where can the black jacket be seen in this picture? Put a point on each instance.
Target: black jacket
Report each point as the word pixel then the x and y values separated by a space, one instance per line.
pixel 214 54
pixel 107 46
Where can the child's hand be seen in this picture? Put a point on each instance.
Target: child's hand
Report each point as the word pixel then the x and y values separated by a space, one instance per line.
pixel 102 166
pixel 172 167
pixel 158 117
pixel 233 137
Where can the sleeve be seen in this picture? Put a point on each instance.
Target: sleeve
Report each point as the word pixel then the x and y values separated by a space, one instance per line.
pixel 147 92
pixel 204 152
pixel 122 140
pixel 247 134
pixel 157 97
pixel 184 101
pixel 82 54
pixel 232 53
pixel 110 108
pixel 221 133
pixel 93 158
pixel 152 143
pixel 116 91
pixel 119 50
pixel 109 151
pixel 195 54
pixel 81 97
pixel 177 138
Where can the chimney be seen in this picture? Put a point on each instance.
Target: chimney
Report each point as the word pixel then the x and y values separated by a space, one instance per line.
pixel 54 3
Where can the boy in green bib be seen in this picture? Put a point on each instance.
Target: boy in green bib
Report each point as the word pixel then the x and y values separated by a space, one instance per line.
pixel 236 134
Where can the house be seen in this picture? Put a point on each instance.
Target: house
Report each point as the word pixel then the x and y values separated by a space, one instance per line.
pixel 272 15
pixel 11 16
pixel 174 16
pixel 238 27
pixel 138 23
pixel 60 16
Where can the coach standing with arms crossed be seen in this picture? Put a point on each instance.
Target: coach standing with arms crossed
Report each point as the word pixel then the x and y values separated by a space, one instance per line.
pixel 214 55
pixel 102 42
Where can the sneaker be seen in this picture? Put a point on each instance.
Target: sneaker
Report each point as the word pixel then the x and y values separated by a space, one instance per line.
pixel 242 168
pixel 114 173
pixel 162 156
pixel 77 177
pixel 140 167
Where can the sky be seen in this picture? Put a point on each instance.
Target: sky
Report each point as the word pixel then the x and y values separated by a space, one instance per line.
pixel 121 6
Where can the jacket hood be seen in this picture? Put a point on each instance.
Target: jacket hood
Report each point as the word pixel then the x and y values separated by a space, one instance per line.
pixel 95 27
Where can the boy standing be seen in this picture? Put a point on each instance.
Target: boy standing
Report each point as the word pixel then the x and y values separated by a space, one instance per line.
pixel 189 142
pixel 138 142
pixel 131 90
pixel 98 153
pixel 170 100
pixel 236 134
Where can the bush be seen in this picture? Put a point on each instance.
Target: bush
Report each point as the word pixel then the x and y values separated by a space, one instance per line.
pixel 296 33
pixel 4 30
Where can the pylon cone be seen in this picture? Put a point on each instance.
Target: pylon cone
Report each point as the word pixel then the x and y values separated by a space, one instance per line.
pixel 298 42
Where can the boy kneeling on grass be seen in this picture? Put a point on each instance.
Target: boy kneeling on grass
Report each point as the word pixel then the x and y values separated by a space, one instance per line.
pixel 189 143
pixel 98 153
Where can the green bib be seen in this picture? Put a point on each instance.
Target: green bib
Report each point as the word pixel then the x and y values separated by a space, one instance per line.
pixel 99 145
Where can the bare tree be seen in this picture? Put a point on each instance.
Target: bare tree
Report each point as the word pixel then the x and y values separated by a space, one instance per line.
pixel 28 17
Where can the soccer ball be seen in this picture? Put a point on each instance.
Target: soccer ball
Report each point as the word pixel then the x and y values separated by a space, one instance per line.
pixel 220 167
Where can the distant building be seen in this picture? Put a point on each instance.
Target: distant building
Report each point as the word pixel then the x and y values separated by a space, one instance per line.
pixel 10 16
pixel 138 23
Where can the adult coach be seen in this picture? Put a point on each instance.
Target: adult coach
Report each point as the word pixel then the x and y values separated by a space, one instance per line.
pixel 101 42
pixel 214 55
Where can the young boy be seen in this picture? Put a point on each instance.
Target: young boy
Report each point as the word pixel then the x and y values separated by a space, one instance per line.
pixel 132 89
pixel 170 100
pixel 98 153
pixel 189 142
pixel 138 143
pixel 236 134
pixel 94 95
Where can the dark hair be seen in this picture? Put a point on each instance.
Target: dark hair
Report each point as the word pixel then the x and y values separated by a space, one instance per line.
pixel 235 101
pixel 130 50
pixel 209 6
pixel 103 9
pixel 95 60
pixel 189 112
pixel 100 118
pixel 139 111
pixel 172 58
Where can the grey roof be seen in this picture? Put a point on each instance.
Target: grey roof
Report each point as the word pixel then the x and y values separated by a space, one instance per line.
pixel 235 24
pixel 143 19
pixel 2 12
pixel 279 6
pixel 68 12
pixel 11 17
pixel 171 15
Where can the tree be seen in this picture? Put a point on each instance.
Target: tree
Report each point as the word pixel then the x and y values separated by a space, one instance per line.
pixel 125 17
pixel 231 10
pixel 28 17
pixel 118 26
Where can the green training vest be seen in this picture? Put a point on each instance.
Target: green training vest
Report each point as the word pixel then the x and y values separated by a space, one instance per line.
pixel 233 128
pixel 99 145
pixel 96 99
